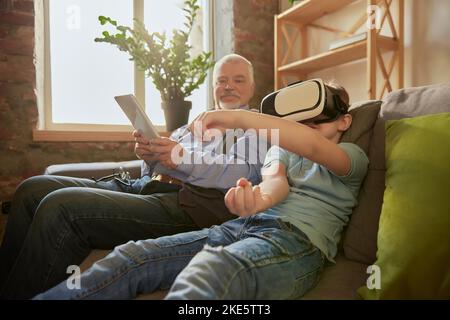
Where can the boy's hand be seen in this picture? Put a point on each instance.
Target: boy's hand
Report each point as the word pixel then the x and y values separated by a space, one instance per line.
pixel 245 200
pixel 164 150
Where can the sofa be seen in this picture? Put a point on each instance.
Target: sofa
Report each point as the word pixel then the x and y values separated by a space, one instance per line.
pixel 358 246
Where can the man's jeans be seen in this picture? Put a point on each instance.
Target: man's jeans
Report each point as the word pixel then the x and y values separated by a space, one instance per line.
pixel 55 222
pixel 260 257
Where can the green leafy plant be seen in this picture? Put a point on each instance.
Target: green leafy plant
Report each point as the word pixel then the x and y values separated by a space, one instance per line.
pixel 167 62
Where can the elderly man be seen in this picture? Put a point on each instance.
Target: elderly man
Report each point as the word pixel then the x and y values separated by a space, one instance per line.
pixel 55 221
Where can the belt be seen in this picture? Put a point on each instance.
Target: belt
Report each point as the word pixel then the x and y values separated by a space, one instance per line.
pixel 167 179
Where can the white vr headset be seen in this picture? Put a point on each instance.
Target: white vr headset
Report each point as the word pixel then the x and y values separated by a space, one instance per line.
pixel 305 100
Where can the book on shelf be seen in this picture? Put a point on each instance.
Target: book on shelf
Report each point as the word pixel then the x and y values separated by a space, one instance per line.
pixel 347 41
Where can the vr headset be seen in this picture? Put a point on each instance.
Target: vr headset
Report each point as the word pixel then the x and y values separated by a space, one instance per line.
pixel 308 100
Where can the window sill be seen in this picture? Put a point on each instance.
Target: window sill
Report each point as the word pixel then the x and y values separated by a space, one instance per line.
pixel 85 136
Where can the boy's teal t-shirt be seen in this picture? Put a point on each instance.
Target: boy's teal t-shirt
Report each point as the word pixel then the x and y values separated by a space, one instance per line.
pixel 319 202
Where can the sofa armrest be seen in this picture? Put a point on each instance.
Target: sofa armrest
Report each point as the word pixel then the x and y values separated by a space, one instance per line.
pixel 94 169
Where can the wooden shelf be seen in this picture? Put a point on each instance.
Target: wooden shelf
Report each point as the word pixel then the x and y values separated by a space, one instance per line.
pixel 310 10
pixel 292 42
pixel 339 56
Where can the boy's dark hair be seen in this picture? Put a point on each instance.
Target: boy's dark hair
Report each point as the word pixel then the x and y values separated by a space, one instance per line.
pixel 340 91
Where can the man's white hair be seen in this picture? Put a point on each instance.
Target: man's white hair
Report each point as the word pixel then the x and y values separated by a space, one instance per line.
pixel 233 58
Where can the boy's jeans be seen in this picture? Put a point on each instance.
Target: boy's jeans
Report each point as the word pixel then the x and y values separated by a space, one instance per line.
pixel 56 221
pixel 260 257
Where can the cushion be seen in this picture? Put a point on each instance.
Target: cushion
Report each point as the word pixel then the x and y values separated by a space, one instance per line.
pixel 359 241
pixel 413 102
pixel 413 238
pixel 361 235
pixel 364 116
pixel 339 281
pixel 360 238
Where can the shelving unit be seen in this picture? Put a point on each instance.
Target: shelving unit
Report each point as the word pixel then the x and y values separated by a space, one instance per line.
pixel 303 15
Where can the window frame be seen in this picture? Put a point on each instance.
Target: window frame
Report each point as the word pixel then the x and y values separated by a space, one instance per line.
pixel 47 130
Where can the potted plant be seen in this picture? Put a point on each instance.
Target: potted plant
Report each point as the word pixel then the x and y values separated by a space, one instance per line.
pixel 294 2
pixel 167 62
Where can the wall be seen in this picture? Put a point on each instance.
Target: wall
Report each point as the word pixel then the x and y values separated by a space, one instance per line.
pixel 253 32
pixel 223 28
pixel 245 27
pixel 427 45
pixel 20 157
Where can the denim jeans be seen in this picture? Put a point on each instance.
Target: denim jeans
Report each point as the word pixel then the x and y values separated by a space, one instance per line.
pixel 55 221
pixel 260 257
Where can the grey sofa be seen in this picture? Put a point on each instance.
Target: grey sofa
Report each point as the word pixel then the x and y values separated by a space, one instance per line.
pixel 359 242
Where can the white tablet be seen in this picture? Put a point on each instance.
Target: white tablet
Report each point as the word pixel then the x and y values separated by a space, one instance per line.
pixel 137 116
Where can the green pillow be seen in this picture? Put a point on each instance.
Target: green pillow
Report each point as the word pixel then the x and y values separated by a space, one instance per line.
pixel 414 233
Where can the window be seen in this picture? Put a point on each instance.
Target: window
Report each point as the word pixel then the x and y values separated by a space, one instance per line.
pixel 167 15
pixel 82 77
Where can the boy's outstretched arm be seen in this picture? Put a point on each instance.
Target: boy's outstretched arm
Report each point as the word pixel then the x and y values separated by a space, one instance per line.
pixel 245 200
pixel 293 136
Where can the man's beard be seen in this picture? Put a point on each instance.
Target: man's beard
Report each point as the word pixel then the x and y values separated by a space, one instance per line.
pixel 229 105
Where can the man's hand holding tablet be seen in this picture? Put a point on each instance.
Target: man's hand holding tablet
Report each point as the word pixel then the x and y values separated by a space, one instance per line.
pixel 139 120
pixel 149 145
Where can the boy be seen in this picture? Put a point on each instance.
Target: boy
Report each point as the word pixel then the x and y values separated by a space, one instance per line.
pixel 288 225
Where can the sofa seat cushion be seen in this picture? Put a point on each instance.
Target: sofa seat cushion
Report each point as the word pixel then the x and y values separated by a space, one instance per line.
pixel 339 281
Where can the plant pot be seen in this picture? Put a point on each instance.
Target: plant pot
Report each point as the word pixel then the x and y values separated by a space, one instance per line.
pixel 176 113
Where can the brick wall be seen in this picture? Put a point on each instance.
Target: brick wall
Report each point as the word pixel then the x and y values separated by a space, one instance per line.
pixel 20 157
pixel 253 36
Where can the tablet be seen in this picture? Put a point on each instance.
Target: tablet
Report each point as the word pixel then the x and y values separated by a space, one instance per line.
pixel 137 116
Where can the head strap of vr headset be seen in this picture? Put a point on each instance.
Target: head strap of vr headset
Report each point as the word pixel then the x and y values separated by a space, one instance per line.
pixel 339 106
